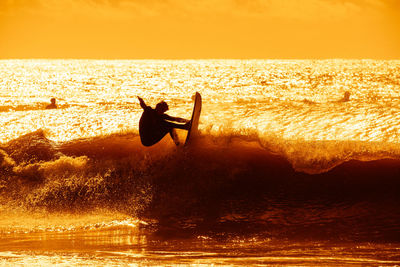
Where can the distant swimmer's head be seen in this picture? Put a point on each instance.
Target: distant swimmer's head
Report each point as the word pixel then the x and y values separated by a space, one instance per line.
pixel 53 104
pixel 162 107
pixel 346 96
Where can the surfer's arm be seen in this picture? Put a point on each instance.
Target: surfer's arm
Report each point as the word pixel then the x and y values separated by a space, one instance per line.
pixel 170 118
pixel 142 104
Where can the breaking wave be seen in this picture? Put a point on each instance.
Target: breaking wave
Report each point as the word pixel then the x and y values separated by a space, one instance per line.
pixel 234 182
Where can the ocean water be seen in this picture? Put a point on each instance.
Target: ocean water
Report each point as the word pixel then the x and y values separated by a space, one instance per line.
pixel 285 171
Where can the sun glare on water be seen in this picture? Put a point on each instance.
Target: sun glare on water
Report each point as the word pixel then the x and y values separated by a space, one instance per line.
pixel 290 99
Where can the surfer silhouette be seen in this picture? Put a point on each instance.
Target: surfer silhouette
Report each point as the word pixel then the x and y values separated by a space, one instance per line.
pixel 155 124
pixel 52 104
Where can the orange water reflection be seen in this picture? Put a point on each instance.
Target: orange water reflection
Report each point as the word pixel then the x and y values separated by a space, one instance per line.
pixel 124 246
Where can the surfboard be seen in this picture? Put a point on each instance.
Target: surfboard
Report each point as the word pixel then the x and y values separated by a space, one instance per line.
pixel 194 122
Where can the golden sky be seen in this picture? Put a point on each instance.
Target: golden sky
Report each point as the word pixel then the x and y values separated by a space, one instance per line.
pixel 200 29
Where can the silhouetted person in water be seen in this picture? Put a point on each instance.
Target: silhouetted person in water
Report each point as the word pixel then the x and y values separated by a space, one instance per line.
pixel 155 124
pixel 346 97
pixel 52 105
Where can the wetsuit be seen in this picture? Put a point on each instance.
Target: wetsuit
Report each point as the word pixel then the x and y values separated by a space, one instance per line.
pixel 154 126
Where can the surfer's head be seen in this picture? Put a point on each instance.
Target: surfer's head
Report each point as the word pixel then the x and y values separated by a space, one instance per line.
pixel 162 107
pixel 53 100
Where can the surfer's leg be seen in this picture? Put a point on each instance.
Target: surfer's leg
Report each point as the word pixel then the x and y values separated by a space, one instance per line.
pixel 174 136
pixel 170 128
